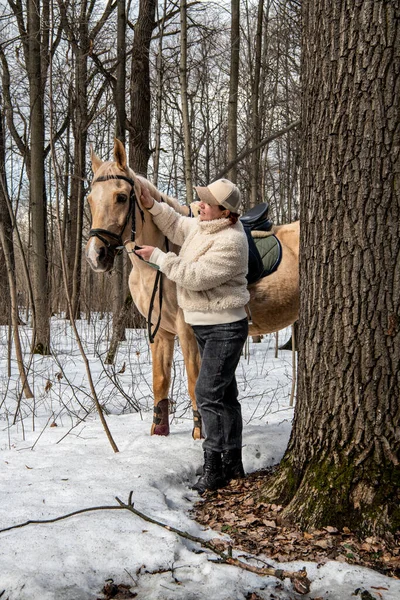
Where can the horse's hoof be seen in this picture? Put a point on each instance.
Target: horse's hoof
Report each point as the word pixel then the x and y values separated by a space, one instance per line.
pixel 160 425
pixel 160 429
pixel 196 433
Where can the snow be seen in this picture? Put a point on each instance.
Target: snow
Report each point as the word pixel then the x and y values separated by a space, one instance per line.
pixel 47 472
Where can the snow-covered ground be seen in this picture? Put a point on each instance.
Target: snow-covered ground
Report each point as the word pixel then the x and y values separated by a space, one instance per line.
pixel 56 459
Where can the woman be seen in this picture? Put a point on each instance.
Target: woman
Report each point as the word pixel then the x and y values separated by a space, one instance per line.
pixel 210 274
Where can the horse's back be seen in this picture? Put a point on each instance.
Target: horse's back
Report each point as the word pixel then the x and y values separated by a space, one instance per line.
pixel 274 300
pixel 289 236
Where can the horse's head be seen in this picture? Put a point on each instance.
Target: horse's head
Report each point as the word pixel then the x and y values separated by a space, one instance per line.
pixel 111 202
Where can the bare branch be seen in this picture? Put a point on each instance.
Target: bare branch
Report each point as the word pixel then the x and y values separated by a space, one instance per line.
pixel 263 142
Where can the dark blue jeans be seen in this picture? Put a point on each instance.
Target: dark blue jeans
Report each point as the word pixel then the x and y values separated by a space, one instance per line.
pixel 216 389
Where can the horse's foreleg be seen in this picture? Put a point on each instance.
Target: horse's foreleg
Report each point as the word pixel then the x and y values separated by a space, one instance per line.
pixel 192 363
pixel 162 351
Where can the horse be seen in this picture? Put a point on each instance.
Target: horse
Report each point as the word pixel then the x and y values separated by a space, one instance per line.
pixel 119 220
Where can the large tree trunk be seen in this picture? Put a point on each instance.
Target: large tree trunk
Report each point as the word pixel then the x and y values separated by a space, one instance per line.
pixel 139 127
pixel 342 463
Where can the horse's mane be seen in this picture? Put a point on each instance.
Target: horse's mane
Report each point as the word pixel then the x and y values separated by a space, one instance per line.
pixel 159 196
pixel 109 170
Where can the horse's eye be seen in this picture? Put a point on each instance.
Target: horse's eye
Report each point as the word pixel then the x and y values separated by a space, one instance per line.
pixel 121 198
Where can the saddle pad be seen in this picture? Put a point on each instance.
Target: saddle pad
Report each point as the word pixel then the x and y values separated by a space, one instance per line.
pixel 270 251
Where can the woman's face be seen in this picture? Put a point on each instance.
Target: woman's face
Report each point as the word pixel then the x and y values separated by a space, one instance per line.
pixel 209 213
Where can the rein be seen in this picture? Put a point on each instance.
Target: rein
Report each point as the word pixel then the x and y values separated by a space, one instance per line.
pixel 100 233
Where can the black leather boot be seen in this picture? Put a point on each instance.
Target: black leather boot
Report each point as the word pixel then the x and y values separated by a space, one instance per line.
pixel 232 466
pixel 212 478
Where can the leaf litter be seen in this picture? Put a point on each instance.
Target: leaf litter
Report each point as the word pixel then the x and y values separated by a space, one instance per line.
pixel 257 528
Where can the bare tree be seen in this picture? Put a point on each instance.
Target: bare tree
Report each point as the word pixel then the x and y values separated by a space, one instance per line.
pixel 36 48
pixel 184 102
pixel 5 220
pixel 255 102
pixel 233 88
pixel 9 287
pixel 139 126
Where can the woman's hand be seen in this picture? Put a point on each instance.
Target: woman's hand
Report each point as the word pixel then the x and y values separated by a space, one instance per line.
pixel 146 198
pixel 145 252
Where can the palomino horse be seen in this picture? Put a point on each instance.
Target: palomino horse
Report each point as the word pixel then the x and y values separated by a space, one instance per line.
pixel 118 219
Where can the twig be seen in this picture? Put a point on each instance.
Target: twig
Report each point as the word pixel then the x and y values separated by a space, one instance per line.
pixel 299 578
pixel 76 512
pixel 226 558
pixel 65 279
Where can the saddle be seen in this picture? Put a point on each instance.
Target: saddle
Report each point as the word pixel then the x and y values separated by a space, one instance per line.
pixel 265 250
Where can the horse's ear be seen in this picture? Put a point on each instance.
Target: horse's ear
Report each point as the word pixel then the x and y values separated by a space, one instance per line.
pixel 96 161
pixel 195 208
pixel 119 154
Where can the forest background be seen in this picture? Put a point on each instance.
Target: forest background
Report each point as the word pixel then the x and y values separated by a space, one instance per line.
pixel 169 80
pixel 196 91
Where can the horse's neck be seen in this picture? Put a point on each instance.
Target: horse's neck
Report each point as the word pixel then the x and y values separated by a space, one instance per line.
pixel 147 234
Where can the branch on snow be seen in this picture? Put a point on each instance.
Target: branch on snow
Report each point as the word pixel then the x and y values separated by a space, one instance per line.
pixel 298 578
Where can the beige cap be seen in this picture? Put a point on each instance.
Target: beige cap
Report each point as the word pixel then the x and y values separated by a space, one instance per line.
pixel 221 193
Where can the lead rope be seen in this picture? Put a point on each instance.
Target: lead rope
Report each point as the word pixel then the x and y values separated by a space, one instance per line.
pixel 158 281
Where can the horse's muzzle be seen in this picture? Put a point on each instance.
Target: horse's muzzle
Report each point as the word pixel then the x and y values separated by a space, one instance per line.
pixel 99 256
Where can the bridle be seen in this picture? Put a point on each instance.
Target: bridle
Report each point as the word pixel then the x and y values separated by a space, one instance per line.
pixel 99 233
pixel 120 245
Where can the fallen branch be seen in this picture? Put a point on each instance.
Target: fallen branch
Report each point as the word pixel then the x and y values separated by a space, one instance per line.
pixel 298 578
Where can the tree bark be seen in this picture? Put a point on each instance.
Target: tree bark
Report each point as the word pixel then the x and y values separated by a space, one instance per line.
pixel 79 128
pixel 41 345
pixel 5 219
pixel 342 463
pixel 139 126
pixel 120 101
pixel 6 244
pixel 255 115
pixel 159 97
pixel 185 105
pixel 233 88
pixel 117 277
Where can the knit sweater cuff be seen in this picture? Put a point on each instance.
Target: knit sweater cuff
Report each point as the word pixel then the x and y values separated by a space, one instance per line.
pixel 156 209
pixel 158 257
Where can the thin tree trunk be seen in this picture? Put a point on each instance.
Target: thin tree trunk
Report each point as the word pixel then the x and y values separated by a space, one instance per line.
pixel 10 300
pixel 117 277
pixel 255 116
pixel 120 92
pixel 41 345
pixel 185 104
pixel 80 120
pixel 5 219
pixel 7 249
pixel 159 97
pixel 233 89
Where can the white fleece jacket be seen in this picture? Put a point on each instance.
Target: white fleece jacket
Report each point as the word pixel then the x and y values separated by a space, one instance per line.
pixel 210 270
